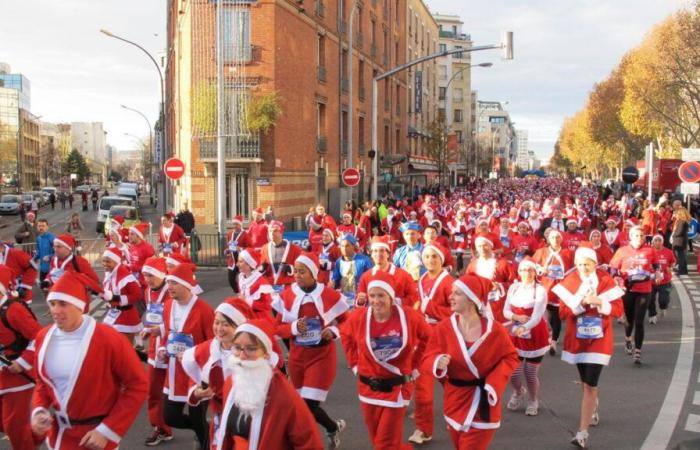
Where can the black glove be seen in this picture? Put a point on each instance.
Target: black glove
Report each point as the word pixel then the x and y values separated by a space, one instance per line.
pixel 287 269
pixel 21 292
pixel 262 268
pixel 45 284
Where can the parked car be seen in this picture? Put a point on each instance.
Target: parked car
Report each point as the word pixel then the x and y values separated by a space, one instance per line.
pixel 27 201
pixel 82 188
pixel 9 204
pixel 130 214
pixel 105 205
pixel 39 197
pixel 48 190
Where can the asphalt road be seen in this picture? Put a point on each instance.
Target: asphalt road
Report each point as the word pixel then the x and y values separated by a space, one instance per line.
pixel 631 397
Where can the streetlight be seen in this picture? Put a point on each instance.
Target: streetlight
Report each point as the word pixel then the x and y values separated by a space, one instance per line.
pixel 162 116
pixel 350 87
pixel 150 143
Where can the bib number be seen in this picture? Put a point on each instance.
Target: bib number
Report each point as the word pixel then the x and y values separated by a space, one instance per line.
pixel 555 273
pixel 278 288
pixel 638 275
pixel 154 314
pixel 232 247
pixel 588 327
pixel 167 248
pixel 494 295
pixel 56 274
pixel 514 328
pixel 113 313
pixel 178 343
pixel 312 336
pixel 385 347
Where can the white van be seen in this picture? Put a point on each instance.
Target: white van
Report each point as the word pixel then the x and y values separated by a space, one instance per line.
pixel 128 192
pixel 105 204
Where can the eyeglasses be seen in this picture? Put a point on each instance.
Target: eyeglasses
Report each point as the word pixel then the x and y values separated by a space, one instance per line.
pixel 249 350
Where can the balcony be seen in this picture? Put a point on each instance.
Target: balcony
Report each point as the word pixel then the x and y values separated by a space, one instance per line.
pixel 238 52
pixel 320 8
pixel 321 73
pixel 247 149
pixel 321 144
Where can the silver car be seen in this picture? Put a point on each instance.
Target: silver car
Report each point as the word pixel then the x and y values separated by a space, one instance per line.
pixel 9 204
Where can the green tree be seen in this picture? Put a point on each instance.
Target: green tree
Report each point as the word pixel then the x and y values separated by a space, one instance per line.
pixel 438 149
pixel 75 163
pixel 263 112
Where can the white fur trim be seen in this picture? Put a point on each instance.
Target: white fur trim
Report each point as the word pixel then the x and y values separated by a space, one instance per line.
pixel 586 252
pixel 111 255
pixel 313 393
pixel 308 262
pixel 469 293
pixel 480 239
pixel 257 332
pixel 248 258
pixel 60 296
pixel 153 271
pixel 382 285
pixel 179 281
pixel 436 250
pixel 63 243
pixel 589 358
pixel 232 313
pixel 378 245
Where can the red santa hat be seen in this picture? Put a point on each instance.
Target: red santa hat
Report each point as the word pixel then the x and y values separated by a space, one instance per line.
pixel 251 256
pixel 169 215
pixel 261 329
pixel 522 223
pixel 329 232
pixel 585 252
pixel 632 222
pixel 236 309
pixel 114 254
pixel 175 259
pixel 553 231
pixel 140 229
pixel 379 242
pixel 72 288
pixel 384 281
pixel 611 220
pixel 484 239
pixel 310 260
pixel 476 289
pixel 156 267
pixel 184 275
pixel 7 280
pixel 570 221
pixel 237 219
pixel 276 224
pixel 119 220
pixel 347 213
pixel 66 240
pixel 258 211
pixel 594 232
pixel 440 250
pixel 527 263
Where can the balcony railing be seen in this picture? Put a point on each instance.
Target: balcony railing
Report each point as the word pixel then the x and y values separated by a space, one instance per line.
pixel 321 73
pixel 321 144
pixel 320 8
pixel 238 52
pixel 247 147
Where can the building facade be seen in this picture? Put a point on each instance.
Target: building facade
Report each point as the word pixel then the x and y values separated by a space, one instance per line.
pixel 89 138
pixel 523 150
pixel 298 161
pixel 496 139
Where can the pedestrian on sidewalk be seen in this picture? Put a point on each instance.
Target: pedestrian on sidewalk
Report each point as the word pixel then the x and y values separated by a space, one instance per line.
pixel 52 200
pixel 69 195
pixel 679 238
pixel 62 199
pixel 44 248
pixel 26 233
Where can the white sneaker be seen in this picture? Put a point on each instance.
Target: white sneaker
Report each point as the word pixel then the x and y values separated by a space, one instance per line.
pixel 581 439
pixel 334 437
pixel 516 400
pixel 653 320
pixel 418 437
pixel 532 408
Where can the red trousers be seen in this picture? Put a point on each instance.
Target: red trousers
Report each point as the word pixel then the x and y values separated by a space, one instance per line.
pixel 15 410
pixel 474 439
pixel 156 379
pixel 385 426
pixel 424 402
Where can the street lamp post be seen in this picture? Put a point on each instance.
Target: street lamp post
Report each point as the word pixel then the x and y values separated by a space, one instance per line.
pixel 351 111
pixel 162 115
pixel 150 143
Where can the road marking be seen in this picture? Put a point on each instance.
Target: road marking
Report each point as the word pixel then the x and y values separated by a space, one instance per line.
pixel 696 398
pixel 693 423
pixel 660 434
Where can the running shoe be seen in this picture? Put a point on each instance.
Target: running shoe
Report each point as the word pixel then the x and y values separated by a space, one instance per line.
pixel 158 436
pixel 629 347
pixel 516 400
pixel 552 347
pixel 334 436
pixel 533 407
pixel 637 358
pixel 653 320
pixel 581 439
pixel 418 437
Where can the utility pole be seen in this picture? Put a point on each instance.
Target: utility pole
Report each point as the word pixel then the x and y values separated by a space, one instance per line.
pixel 220 150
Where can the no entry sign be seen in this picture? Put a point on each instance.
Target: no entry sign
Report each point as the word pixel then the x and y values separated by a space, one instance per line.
pixel 351 177
pixel 174 168
pixel 689 172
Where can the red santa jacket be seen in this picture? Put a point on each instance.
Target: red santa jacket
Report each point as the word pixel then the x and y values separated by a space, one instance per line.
pixel 523 246
pixel 24 327
pixel 572 240
pixel 363 361
pixel 22 269
pixel 197 321
pixel 328 255
pixel 571 291
pixel 74 263
pixel 434 296
pixel 355 231
pixel 666 260
pixel 459 231
pixel 391 226
pixel 330 306
pixel 206 363
pixel 496 270
pixel 257 232
pixel 275 273
pixel 235 242
pixel 488 362
pixel 138 254
pixel 126 293
pixel 109 382
pixel 636 266
pixel 159 297
pixel 175 235
pixel 552 267
pixel 604 254
pixel 284 424
pixel 257 292
pixel 404 286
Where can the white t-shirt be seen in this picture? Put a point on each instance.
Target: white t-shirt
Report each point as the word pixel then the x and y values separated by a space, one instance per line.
pixel 62 356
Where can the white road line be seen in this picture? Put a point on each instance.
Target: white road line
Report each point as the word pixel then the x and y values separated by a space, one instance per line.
pixel 693 423
pixel 662 430
pixel 696 398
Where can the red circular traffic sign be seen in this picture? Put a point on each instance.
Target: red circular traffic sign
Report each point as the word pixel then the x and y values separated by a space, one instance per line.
pixel 174 168
pixel 689 172
pixel 351 177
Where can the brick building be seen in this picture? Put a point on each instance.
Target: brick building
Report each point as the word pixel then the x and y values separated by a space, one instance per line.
pixel 297 49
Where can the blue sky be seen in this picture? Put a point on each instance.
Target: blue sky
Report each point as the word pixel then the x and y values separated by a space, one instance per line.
pixel 562 47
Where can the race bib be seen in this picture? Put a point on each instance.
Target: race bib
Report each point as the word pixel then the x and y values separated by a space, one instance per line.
pixel 555 272
pixel 459 238
pixel 638 275
pixel 589 327
pixel 154 314
pixel 494 295
pixel 112 314
pixel 56 274
pixel 312 336
pixel 278 288
pixel 384 347
pixel 167 248
pixel 515 327
pixel 519 257
pixel 178 343
pixel 505 240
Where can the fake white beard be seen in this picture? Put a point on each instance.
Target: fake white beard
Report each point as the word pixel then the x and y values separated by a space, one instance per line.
pixel 251 381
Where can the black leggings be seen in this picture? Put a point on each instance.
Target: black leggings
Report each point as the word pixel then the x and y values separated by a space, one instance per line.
pixel 195 419
pixel 554 321
pixel 636 305
pixel 233 279
pixel 321 416
pixel 589 373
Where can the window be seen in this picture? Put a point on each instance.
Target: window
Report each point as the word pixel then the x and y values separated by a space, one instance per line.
pixel 458 75
pixel 458 95
pixel 458 116
pixel 442 72
pixel 457 55
pixel 454 29
pixel 441 113
pixel 361 78
pixel 458 134
pixel 361 135
pixel 442 92
pixel 443 47
pixel 321 50
pixel 321 120
pixel 236 24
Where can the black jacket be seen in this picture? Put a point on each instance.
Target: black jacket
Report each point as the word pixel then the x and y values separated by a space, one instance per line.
pixel 185 220
pixel 679 236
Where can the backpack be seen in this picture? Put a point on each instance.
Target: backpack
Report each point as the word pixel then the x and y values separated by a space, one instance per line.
pixel 20 343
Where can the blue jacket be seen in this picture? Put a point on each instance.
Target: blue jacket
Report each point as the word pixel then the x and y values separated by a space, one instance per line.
pixel 362 264
pixel 401 255
pixel 44 247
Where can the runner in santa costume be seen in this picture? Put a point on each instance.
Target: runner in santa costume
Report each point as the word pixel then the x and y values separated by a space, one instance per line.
pixel 156 297
pixel 171 237
pixel 308 314
pixel 384 346
pixel 458 228
pixel 187 321
pixel 175 259
pixel 256 290
pixel 122 292
pixel 525 306
pixel 506 235
pixel 661 289
pixel 391 225
pixel 139 250
pixel 24 274
pixel 17 332
pixel 347 227
pixel 611 232
pixel 318 222
pixel 497 270
pixel 553 263
pixel 90 384
pixel 257 229
pixel 434 288
pixel 473 357
pixel 261 409
pixel 65 260
pixel 405 287
pixel 116 234
pixel 236 240
pixel 524 243
pixel 572 237
pixel 278 257
pixel 327 255
pixel 637 266
pixel 589 298
pixel 431 235
pixel 603 252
